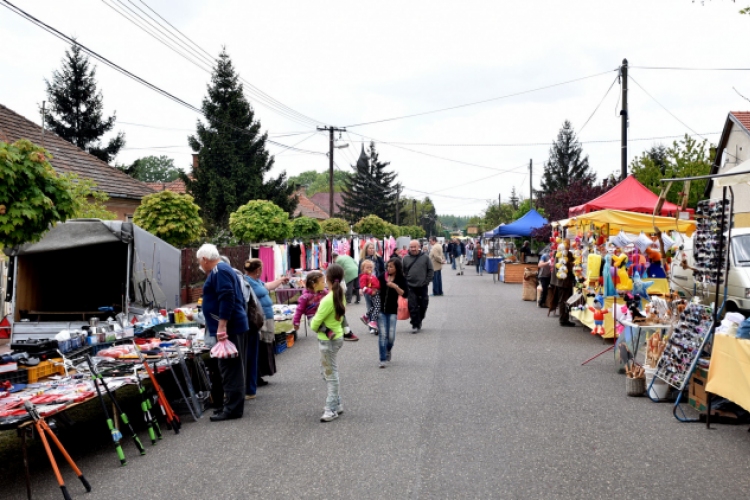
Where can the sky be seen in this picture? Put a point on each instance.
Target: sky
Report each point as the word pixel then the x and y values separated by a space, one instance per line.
pixel 528 66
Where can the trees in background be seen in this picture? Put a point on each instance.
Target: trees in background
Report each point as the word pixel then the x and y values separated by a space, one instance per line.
pixel 566 164
pixel 371 190
pixel 335 226
pixel 260 220
pixel 233 163
pixel 152 169
pixel 173 217
pixel 685 158
pixel 76 107
pixel 305 226
pixel 317 182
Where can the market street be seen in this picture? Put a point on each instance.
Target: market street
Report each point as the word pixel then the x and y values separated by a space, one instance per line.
pixel 488 401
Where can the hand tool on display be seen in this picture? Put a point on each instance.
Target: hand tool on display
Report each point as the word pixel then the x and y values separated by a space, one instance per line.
pixel 154 432
pixel 182 392
pixel 189 383
pixel 116 435
pixel 96 375
pixel 43 430
pixel 173 421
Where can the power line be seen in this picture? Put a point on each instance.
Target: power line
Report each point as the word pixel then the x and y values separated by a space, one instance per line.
pixel 664 107
pixel 155 29
pixel 528 144
pixel 292 147
pixel 474 103
pixel 58 34
pixel 682 68
pixel 598 105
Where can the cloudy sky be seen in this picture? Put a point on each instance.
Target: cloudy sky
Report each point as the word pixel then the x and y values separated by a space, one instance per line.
pixel 345 63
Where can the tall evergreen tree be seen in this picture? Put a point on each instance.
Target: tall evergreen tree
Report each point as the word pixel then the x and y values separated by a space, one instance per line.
pixel 371 190
pixel 566 163
pixel 232 157
pixel 514 198
pixel 76 107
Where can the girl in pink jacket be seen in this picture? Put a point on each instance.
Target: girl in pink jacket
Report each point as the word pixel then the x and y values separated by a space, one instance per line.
pixel 315 290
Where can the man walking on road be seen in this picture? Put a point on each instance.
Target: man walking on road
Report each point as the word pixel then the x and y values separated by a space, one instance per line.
pixel 437 258
pixel 419 272
pixel 458 251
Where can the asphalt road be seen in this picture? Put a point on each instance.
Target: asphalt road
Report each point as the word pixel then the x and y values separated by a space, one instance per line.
pixel 488 401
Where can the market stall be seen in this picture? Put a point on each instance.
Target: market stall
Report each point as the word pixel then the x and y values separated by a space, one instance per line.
pixel 511 271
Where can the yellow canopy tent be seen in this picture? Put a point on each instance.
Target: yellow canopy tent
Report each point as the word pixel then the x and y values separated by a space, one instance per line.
pixel 630 222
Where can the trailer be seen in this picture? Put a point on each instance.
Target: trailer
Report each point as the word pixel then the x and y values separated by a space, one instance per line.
pixel 83 267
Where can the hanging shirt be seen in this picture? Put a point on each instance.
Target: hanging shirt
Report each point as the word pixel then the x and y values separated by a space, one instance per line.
pixel 295 255
pixel 278 265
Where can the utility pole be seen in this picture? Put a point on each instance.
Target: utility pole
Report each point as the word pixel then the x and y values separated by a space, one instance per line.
pixel 531 184
pixel 624 119
pixel 44 123
pixel 499 199
pixel 398 203
pixel 331 130
pixel 414 207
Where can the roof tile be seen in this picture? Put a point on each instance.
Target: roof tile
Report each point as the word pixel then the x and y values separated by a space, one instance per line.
pixel 67 157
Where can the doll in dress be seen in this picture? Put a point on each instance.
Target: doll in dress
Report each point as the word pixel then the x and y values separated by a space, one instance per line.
pixel 609 284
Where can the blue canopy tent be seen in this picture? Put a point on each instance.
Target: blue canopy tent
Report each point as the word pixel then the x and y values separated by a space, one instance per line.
pixel 522 227
pixel 491 232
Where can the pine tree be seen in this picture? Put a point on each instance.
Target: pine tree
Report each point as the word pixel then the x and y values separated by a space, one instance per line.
pixel 514 198
pixel 76 107
pixel 566 163
pixel 232 156
pixel 371 190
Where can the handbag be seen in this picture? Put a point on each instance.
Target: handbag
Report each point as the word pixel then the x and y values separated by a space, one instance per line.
pixel 255 313
pixel 403 309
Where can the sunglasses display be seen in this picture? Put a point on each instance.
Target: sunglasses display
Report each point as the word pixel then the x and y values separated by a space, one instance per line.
pixel 685 345
pixel 709 249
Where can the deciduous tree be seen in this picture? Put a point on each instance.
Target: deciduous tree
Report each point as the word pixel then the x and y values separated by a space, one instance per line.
pixel 173 217
pixel 260 220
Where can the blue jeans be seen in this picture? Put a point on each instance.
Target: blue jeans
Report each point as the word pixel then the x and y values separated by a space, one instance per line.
pixel 386 334
pixel 453 262
pixel 480 265
pixel 329 369
pixel 437 283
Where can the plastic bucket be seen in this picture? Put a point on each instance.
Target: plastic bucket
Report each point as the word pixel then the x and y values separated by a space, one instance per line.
pixel 660 389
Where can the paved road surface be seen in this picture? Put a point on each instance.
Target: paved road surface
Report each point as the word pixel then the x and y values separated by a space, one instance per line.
pixel 489 401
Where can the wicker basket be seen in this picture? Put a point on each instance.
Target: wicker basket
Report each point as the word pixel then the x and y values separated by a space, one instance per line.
pixel 635 387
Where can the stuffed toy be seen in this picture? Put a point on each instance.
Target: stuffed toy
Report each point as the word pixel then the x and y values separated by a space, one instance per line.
pixel 640 287
pixel 634 305
pixel 598 318
pixel 608 272
pixel 655 269
pixel 621 264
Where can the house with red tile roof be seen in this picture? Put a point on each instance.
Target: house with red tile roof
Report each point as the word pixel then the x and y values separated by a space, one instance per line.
pixel 176 186
pixel 124 192
pixel 322 200
pixel 733 149
pixel 306 208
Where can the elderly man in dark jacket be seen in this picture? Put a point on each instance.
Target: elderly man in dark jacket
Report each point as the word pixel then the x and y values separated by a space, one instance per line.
pixel 225 310
pixel 418 270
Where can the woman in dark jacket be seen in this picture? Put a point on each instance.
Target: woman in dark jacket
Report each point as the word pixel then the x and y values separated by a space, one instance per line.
pixel 392 286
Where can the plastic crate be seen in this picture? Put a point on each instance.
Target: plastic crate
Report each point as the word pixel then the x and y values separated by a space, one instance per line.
pixel 280 338
pixel 43 369
pixel 17 377
pixel 279 348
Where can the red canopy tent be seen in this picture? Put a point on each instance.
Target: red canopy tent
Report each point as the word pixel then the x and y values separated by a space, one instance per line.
pixel 629 196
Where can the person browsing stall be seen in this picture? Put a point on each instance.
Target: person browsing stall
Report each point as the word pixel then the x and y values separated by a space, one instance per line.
pixel 224 308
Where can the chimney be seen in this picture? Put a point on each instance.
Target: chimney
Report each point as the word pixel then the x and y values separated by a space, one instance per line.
pixel 195 162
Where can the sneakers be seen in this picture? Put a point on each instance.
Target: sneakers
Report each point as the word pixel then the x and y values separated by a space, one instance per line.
pixel 329 415
pixel 372 325
pixel 383 364
pixel 388 356
pixel 373 331
pixel 248 397
pixel 364 319
pixel 350 337
pixel 415 329
pixel 340 409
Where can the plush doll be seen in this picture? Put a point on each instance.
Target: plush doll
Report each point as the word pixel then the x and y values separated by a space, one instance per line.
pixel 609 284
pixel 593 265
pixel 624 283
pixel 634 305
pixel 655 269
pixel 598 318
pixel 640 287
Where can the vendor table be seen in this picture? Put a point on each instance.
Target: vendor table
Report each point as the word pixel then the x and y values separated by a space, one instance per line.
pixel 25 426
pixel 492 266
pixel 284 295
pixel 729 371
pixel 512 272
pixel 632 338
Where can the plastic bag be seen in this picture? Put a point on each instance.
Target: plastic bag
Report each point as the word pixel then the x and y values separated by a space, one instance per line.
pixel 403 308
pixel 224 349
